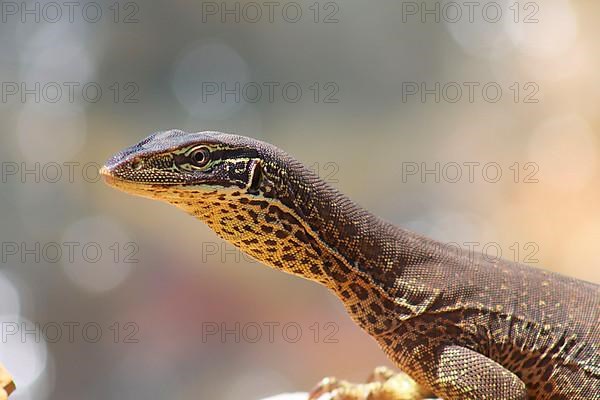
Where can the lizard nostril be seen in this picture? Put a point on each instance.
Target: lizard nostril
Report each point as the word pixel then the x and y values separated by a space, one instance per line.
pixel 136 165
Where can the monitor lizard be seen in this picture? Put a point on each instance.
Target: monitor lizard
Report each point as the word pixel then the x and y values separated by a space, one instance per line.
pixel 462 326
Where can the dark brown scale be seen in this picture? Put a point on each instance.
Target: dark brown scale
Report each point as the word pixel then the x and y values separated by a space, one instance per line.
pixel 281 234
pixel 266 229
pixel 260 203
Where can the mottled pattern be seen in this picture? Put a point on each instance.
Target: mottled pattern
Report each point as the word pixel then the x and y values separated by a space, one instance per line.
pixel 462 327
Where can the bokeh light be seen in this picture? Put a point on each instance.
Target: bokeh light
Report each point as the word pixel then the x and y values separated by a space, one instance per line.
pixel 40 129
pixel 567 151
pixel 23 348
pixel 10 303
pixel 471 28
pixel 208 80
pixel 186 65
pixel 103 254
pixel 550 31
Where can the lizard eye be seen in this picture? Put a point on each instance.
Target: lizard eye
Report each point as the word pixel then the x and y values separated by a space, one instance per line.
pixel 200 156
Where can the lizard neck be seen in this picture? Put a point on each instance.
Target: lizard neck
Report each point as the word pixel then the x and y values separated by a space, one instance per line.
pixel 311 230
pixel 364 242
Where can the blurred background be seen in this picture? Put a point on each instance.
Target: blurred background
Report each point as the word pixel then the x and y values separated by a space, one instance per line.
pixel 476 125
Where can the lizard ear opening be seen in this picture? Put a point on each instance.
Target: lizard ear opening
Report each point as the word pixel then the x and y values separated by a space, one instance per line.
pixel 255 178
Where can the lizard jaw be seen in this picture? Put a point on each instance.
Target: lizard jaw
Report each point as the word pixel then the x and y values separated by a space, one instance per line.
pixel 130 187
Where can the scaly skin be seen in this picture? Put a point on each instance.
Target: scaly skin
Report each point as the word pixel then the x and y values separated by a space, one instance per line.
pixel 462 327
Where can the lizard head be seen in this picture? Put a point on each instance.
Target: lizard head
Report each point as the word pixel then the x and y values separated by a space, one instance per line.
pixel 174 164
pixel 249 192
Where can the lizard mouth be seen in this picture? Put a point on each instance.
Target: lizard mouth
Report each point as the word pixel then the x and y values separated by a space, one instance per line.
pixel 112 180
pixel 158 191
pixel 106 174
pixel 131 187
